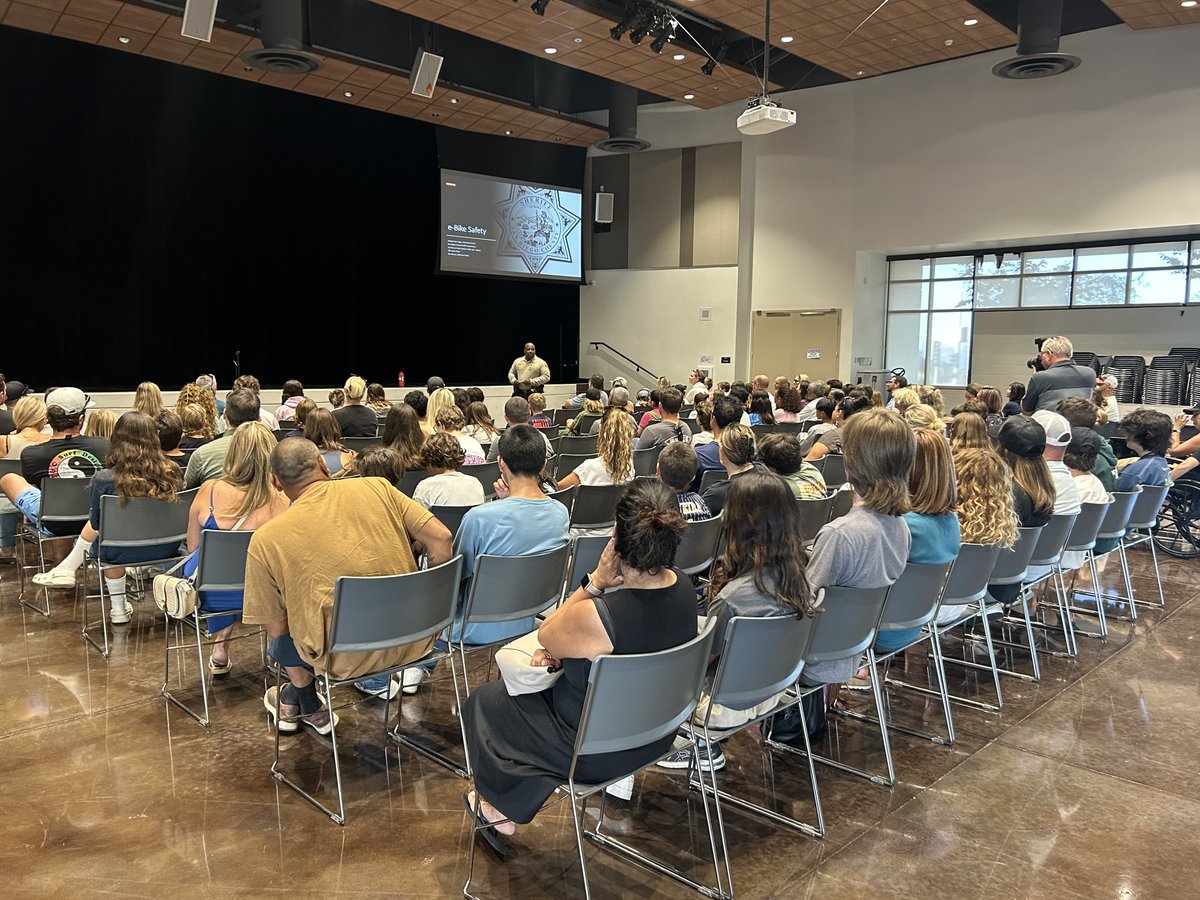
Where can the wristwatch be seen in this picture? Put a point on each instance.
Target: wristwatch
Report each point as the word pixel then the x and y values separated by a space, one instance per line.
pixel 586 584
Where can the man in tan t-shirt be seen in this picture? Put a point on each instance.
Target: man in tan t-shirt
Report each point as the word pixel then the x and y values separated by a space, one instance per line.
pixel 355 527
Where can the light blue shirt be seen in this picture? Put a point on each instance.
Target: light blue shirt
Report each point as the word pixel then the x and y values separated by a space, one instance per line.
pixel 511 527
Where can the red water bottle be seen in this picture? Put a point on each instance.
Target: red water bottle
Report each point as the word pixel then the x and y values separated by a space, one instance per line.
pixel 400 379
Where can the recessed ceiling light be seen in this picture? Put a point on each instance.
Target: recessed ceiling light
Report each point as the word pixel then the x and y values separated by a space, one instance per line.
pixel 689 96
pixel 786 39
pixel 678 56
pixel 550 50
pixel 1188 4
pixel 453 99
pixel 451 184
pixel 126 39
pixel 970 21
pixel 579 40
pixel 347 93
pixel 508 131
pixel 949 42
pixel 859 72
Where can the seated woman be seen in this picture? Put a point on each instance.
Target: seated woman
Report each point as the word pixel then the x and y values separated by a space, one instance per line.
pixel 322 429
pixel 787 404
pixel 969 431
pixel 135 466
pixel 242 499
pixel 450 421
pixel 831 440
pixel 303 408
pixel 148 399
pixel 923 416
pixel 446 486
pixel 291 395
pixel 1016 393
pixel 402 432
pixel 520 747
pixel 202 397
pixel 441 398
pixel 377 398
pixel 823 412
pixel 100 423
pixel 987 513
pixel 761 412
pixel 932 521
pixel 760 573
pixel 479 423
pixel 613 463
pixel 990 397
pixel 29 418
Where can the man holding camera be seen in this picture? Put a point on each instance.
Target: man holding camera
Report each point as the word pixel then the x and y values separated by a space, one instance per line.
pixel 1058 379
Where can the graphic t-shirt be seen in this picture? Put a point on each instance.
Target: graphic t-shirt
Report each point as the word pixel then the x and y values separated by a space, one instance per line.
pixel 70 457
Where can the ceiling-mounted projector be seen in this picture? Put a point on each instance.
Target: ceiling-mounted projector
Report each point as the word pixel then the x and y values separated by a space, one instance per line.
pixel 765 116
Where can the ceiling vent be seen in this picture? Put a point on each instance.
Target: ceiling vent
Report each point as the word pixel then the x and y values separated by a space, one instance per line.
pixel 281 24
pixel 1039 27
pixel 622 122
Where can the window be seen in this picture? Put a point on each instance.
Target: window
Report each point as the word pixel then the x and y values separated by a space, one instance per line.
pixel 932 301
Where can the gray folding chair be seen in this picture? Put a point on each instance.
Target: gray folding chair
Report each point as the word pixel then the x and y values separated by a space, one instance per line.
pixel 359 444
pixel 596 505
pixel 566 463
pixel 1046 557
pixel 846 627
pixel 66 502
pixel 1142 521
pixel 813 516
pixel 450 516
pixel 13 467
pixel 833 470
pixel 1114 528
pixel 487 474
pixel 698 547
pixel 645 462
pixel 561 416
pixel 966 593
pixel 1081 540
pixel 377 613
pixel 761 431
pixel 578 445
pixel 409 481
pixel 913 602
pixel 843 502
pixel 566 496
pixel 792 428
pixel 620 714
pixel 692 424
pixel 711 477
pixel 138 523
pixel 585 555
pixel 220 566
pixel 1012 567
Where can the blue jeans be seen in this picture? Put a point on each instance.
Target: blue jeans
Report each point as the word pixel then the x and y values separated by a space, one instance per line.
pixel 9 522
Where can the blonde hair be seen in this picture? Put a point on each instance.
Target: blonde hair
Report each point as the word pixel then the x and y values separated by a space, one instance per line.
pixel 202 397
pixel 921 417
pixel 354 388
pixel 879 448
pixel 438 400
pixel 931 480
pixel 986 513
pixel 931 396
pixel 537 402
pixel 195 420
pixel 737 443
pixel 148 399
pixel 614 444
pixel 100 423
pixel 968 431
pixel 30 412
pixel 248 467
pixel 905 397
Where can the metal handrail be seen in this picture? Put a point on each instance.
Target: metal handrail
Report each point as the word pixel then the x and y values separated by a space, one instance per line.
pixel 596 345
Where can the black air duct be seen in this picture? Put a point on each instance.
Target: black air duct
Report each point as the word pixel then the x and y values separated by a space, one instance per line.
pixel 1039 27
pixel 622 121
pixel 281 25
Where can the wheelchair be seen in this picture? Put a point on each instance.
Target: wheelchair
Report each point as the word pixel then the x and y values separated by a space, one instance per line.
pixel 1178 530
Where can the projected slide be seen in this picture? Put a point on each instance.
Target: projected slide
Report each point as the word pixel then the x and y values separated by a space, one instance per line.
pixel 501 228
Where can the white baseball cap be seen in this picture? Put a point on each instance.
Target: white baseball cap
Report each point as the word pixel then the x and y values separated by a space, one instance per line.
pixel 1058 429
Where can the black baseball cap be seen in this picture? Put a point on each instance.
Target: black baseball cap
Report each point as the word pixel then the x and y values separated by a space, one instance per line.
pixel 1084 442
pixel 15 390
pixel 1190 411
pixel 1023 436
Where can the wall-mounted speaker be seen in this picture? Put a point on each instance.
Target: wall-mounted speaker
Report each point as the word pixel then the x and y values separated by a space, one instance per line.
pixel 198 19
pixel 424 76
pixel 604 208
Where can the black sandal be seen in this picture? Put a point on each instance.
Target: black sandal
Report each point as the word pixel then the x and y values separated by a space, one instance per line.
pixel 489 834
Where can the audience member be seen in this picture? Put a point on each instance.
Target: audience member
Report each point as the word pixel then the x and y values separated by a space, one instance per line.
pixel 354 419
pixel 29 418
pixel 402 433
pixel 440 399
pixel 735 449
pixel 761 409
pixel 991 399
pixel 291 395
pixel 1060 379
pixel 377 399
pixel 148 399
pixel 197 429
pixel 831 441
pixel 823 412
pixel 1016 393
pixel 516 412
pixel 695 385
pixel 1148 434
pixel 932 397
pixel 726 411
pixel 170 433
pixel 99 423
pixel 435 383
pixel 788 405
pixel 475 395
pixel 202 397
pixel 537 412
pixel 904 398
pixel 668 428
pixel 676 469
pixel 1022 447
pixel 617 399
pixel 450 420
pixel 1106 387
pixel 379 462
pixel 419 401
pixel 922 417
pixel 593 409
pixel 322 429
pixel 969 431
pixel 986 510
pixel 209 383
pixel 446 486
pixel 613 463
pixel 1058 435
pixel 303 409
pixel 783 456
pixel 250 383
pixel 520 747
pixel 596 382
pixel 703 414
pixel 337 398
pixel 1081 413
pixel 479 423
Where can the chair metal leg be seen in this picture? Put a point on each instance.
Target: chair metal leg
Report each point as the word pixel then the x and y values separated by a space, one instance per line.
pixel 575 803
pixel 87 635
pixel 943 690
pixel 44 609
pixel 463 769
pixel 338 817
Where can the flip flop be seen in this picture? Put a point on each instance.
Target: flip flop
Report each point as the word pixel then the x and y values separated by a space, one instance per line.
pixel 488 833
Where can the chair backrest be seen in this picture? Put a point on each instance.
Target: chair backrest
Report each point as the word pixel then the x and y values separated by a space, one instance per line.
pixel 789 427
pixel 619 713
pixel 487 474
pixel 1012 563
pixel 515 587
pixel 566 463
pixel 1147 505
pixel 834 470
pixel 843 502
pixel 596 505
pixel 1118 513
pixel 761 657
pixel 221 564
pixel 645 462
pixel 579 445
pixel 847 622
pixel 762 430
pixel 66 500
pixel 10 467
pixel 1052 540
pixel 807 425
pixel 358 444
pixel 914 599
pixel 380 612
pixel 450 516
pixel 1086 526
pixel 698 547
pixel 566 496
pixel 970 573
pixel 711 477
pixel 409 481
pixel 143 522
pixel 281 433
pixel 561 416
pixel 813 515
pixel 692 424
pixel 585 555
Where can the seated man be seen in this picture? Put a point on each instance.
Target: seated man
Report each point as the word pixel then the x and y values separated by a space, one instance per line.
pixel 1081 413
pixel 208 461
pixel 517 412
pixel 668 428
pixel 783 455
pixel 726 411
pixel 597 382
pixel 357 527
pixel 676 469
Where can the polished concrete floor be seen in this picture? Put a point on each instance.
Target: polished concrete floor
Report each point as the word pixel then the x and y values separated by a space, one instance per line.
pixel 1087 785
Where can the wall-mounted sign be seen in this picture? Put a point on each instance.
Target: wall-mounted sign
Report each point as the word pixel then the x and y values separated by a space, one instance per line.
pixel 813 354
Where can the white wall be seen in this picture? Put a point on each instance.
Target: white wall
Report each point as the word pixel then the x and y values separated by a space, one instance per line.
pixel 653 317
pixel 949 156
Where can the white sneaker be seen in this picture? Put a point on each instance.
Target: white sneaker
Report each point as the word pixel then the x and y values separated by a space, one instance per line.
pixel 54 579
pixel 121 616
pixel 412 678
pixel 622 789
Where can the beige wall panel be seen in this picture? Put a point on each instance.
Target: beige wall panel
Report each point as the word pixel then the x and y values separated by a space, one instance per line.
pixel 718 189
pixel 654 180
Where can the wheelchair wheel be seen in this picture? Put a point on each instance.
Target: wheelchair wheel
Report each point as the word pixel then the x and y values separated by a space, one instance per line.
pixel 1178 530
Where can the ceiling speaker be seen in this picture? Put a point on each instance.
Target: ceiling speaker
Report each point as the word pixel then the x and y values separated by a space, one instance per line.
pixel 198 19
pixel 424 75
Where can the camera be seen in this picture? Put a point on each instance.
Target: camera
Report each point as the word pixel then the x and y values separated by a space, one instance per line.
pixel 1036 362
